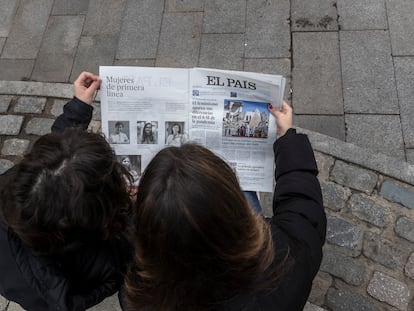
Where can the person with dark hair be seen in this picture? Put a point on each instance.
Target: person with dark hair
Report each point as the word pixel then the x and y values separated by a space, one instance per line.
pixel 148 134
pixel 199 246
pixel 119 137
pixel 176 137
pixel 63 213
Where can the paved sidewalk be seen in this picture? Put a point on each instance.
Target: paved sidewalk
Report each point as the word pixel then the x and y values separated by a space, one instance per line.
pixel 350 62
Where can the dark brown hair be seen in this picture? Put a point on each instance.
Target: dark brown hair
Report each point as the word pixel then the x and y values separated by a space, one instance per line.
pixel 67 191
pixel 197 242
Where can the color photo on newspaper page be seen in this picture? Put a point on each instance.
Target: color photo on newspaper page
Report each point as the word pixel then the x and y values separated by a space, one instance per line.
pixel 245 119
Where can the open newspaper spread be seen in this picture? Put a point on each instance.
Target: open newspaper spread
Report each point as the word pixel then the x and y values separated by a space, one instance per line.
pixel 145 109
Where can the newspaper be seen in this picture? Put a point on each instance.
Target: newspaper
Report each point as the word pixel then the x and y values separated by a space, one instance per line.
pixel 145 109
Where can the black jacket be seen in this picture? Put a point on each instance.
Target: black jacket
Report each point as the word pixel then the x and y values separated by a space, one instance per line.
pixel 298 228
pixel 75 281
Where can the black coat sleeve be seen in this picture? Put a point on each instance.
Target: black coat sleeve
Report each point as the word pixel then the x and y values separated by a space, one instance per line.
pixel 76 113
pixel 297 205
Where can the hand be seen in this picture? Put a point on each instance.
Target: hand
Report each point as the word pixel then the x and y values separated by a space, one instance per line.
pixel 283 117
pixel 85 86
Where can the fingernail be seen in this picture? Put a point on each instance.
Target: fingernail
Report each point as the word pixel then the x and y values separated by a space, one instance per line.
pixel 270 106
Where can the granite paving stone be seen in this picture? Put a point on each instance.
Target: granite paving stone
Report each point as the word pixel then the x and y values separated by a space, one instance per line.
pixel 334 195
pixel 140 29
pixel 375 161
pixel 36 89
pixel 15 147
pixel 354 177
pixel 5 101
pixel 3 301
pixel 4 166
pixel 10 124
pixel 57 107
pixel 409 267
pixel 150 62
pixel 72 7
pixel 184 5
pixel 386 252
pixel 104 17
pixel 267 29
pixel 88 60
pixel 311 307
pixel 316 74
pixel 30 105
pixel 389 290
pixel 398 192
pixel 404 228
pixel 367 209
pixel 224 51
pixel 343 233
pixel 39 126
pixel 7 12
pixel 367 72
pixel 277 66
pixel 54 62
pixel 343 267
pixel 381 133
pixel 410 155
pixel 16 69
pixel 362 14
pixel 221 16
pixel 404 72
pixel 340 300
pixel 314 15
pixel 329 125
pixel 28 26
pixel 325 164
pixel 320 285
pixel 401 23
pixel 180 40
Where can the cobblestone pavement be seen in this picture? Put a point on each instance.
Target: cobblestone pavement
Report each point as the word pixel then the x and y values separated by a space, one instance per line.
pixel 350 66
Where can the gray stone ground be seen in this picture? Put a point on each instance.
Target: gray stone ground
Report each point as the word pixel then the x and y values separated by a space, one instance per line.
pixel 350 67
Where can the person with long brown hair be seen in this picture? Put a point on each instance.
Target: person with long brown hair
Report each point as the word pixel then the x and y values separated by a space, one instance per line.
pixel 199 246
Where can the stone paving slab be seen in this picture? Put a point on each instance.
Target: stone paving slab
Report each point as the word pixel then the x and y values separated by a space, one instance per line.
pixel 184 5
pixel 381 133
pixel 5 101
pixel 367 72
pixel 316 74
pixel 16 69
pixel 104 17
pixel 27 30
pixel 180 40
pixel 224 16
pixel 401 23
pixel 328 125
pixel 54 61
pixel 267 29
pixel 224 51
pixel 314 15
pixel 88 60
pixel 7 12
pixel 72 7
pixel 133 41
pixel 404 71
pixel 362 14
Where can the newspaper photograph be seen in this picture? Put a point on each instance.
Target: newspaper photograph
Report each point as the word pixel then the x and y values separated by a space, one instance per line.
pixel 145 109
